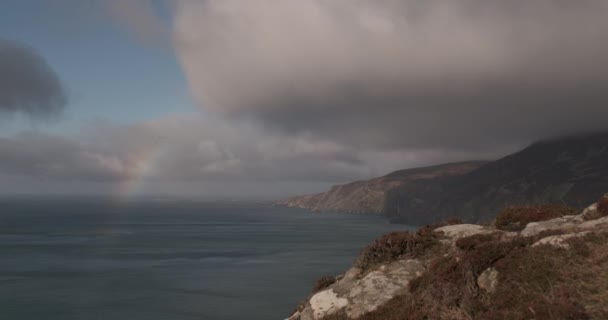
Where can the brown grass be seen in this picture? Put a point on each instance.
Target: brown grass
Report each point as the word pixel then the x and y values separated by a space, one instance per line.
pixel 516 218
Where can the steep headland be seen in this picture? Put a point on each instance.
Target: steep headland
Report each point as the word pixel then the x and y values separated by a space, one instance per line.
pixel 533 262
pixel 368 196
pixel 571 171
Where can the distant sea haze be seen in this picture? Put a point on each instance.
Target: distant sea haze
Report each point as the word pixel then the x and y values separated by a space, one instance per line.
pixel 92 259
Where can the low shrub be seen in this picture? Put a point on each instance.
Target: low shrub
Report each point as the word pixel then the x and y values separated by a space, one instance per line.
pixel 431 227
pixel 323 283
pixel 396 245
pixel 472 242
pixel 402 245
pixel 516 218
pixel 602 206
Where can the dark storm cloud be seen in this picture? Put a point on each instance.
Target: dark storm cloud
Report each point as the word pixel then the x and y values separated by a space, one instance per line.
pixel 27 82
pixel 397 75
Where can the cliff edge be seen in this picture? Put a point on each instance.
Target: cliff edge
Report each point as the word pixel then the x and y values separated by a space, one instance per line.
pixel 533 262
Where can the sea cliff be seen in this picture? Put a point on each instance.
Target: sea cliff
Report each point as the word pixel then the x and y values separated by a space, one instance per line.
pixel 368 196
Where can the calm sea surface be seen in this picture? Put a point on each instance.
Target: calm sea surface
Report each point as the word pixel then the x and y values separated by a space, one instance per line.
pixel 167 259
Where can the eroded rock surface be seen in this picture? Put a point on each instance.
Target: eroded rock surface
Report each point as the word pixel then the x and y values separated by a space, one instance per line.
pixel 357 294
pixel 458 231
pixel 488 280
pixel 379 286
pixel 326 302
pixel 561 223
pixel 560 240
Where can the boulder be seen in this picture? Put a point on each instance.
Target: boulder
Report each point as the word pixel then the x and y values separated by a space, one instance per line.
pixel 457 231
pixel 561 223
pixel 488 280
pixel 591 212
pixel 356 294
pixel 326 303
pixel 381 285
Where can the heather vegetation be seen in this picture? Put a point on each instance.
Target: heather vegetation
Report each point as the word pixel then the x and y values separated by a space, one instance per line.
pixel 525 278
pixel 401 245
pixel 516 218
pixel 541 282
pixel 322 283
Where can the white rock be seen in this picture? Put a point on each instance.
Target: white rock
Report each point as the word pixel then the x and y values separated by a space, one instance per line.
pixel 561 223
pixel 357 296
pixel 326 303
pixel 458 231
pixel 381 285
pixel 488 280
pixel 559 240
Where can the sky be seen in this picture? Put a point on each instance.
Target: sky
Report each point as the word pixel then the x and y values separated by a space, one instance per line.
pixel 269 98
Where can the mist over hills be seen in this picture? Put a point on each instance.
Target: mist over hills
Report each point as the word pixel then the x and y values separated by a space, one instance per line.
pixel 570 170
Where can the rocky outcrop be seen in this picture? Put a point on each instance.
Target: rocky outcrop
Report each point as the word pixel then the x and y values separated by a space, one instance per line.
pixel 475 272
pixel 368 196
pixel 560 241
pixel 488 280
pixel 590 218
pixel 459 231
pixel 562 223
pixel 358 293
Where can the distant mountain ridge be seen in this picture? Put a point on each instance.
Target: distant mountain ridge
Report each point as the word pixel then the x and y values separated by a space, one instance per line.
pixel 368 196
pixel 570 170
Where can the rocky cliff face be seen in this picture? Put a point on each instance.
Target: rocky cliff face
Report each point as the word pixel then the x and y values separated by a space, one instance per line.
pixel 550 268
pixel 571 170
pixel 368 196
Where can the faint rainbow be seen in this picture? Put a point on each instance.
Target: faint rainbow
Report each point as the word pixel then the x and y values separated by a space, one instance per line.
pixel 140 165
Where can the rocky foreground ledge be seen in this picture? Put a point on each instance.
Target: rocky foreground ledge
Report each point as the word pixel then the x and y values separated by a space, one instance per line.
pixel 537 262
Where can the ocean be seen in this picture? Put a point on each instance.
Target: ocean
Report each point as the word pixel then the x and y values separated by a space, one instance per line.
pixel 93 258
